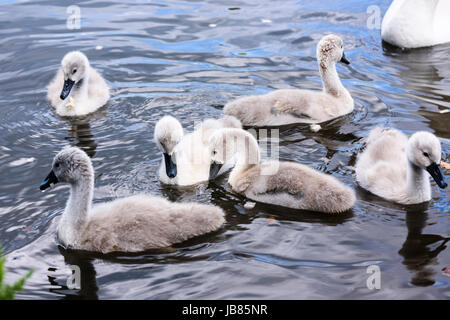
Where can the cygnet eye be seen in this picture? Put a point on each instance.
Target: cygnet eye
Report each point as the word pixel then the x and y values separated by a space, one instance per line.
pixel 74 71
pixel 57 165
pixel 214 152
pixel 426 154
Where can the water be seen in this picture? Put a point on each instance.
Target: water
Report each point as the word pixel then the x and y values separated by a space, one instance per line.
pixel 185 58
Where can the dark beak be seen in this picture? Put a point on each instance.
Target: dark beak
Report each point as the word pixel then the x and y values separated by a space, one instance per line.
pixel 434 170
pixel 214 169
pixel 68 84
pixel 171 168
pixel 49 181
pixel 344 59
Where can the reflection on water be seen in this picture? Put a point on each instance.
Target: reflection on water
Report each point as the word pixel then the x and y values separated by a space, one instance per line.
pixel 420 250
pixel 424 73
pixel 80 132
pixel 88 282
pixel 188 59
pixel 82 137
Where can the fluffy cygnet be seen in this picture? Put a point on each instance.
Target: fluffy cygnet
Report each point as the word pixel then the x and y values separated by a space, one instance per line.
pixel 287 184
pixel 186 158
pixel 130 224
pixel 288 106
pixel 77 89
pixel 395 167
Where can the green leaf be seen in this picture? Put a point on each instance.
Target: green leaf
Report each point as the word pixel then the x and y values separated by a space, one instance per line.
pixel 7 292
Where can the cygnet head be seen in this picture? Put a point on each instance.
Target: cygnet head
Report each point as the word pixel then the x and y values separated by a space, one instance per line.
pixel 168 133
pixel 225 143
pixel 210 125
pixel 424 151
pixel 71 165
pixel 75 66
pixel 330 50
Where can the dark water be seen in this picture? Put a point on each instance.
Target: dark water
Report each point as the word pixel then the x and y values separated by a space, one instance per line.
pixel 183 58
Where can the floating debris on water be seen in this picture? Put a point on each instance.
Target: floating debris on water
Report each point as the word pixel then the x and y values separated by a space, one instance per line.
pixel 315 127
pixel 249 205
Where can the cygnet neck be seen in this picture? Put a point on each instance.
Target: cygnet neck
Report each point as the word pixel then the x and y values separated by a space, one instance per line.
pixel 417 183
pixel 331 82
pixel 81 88
pixel 79 204
pixel 245 147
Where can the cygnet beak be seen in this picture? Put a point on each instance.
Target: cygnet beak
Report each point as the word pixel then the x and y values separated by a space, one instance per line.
pixel 49 181
pixel 68 84
pixel 344 59
pixel 214 169
pixel 171 167
pixel 434 170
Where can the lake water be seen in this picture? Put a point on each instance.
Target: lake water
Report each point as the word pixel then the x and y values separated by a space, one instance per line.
pixel 188 58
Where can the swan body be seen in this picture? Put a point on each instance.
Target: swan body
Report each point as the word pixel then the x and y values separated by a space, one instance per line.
pixel 185 159
pixel 288 106
pixel 416 23
pixel 285 184
pixel 394 167
pixel 130 224
pixel 77 89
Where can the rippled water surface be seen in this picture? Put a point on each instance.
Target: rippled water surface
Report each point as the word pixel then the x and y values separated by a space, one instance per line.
pixel 187 59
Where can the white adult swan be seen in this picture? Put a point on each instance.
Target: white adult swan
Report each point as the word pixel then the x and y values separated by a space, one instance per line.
pixel 288 106
pixel 416 23
pixel 77 89
pixel 186 158
pixel 393 166
pixel 130 224
pixel 287 184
